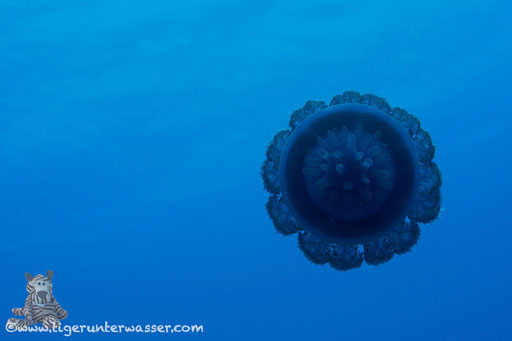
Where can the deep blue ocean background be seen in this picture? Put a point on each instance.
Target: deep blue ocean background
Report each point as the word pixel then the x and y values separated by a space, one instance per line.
pixel 132 135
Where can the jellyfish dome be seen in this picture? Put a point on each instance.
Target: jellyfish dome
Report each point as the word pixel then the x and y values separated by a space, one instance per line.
pixel 354 179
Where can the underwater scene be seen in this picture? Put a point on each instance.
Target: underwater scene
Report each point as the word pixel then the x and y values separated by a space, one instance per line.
pixel 256 170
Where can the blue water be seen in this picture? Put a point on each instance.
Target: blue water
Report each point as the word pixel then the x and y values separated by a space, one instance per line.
pixel 131 139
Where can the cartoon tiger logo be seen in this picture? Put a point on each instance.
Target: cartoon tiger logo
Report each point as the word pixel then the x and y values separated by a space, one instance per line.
pixel 40 305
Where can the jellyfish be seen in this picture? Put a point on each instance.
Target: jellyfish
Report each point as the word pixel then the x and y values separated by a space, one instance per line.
pixel 353 179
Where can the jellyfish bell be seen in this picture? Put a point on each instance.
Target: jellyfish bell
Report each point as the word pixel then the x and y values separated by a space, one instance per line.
pixel 354 179
pixel 348 173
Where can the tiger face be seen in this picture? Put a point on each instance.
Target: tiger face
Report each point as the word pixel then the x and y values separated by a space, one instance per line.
pixel 40 288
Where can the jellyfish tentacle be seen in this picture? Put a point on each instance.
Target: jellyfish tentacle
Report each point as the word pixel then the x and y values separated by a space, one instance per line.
pixel 424 146
pixel 408 121
pixel 346 97
pixel 342 163
pixel 283 221
pixel 378 251
pixel 376 102
pixel 316 250
pixel 365 142
pixel 270 175
pixel 367 99
pixel 405 236
pixel 270 167
pixel 420 137
pixel 430 177
pixel 307 110
pixel 275 148
pixel 427 203
pixel 398 241
pixel 345 256
pixel 427 206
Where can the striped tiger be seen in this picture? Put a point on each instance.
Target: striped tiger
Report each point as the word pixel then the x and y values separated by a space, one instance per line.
pixel 40 305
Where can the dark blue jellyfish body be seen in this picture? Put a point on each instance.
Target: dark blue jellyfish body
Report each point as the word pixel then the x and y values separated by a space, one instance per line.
pixel 354 179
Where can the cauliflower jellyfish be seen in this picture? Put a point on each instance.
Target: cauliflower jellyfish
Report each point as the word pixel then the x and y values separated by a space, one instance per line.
pixel 353 179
